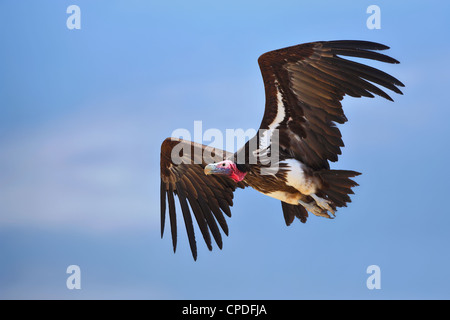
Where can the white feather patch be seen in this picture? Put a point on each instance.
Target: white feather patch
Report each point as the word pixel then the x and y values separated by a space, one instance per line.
pixel 284 196
pixel 296 177
pixel 265 136
pixel 280 110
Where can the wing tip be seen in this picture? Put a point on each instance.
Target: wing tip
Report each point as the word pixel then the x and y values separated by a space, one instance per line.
pixel 356 44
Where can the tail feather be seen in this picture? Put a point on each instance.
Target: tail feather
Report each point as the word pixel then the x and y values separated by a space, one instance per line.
pixel 337 185
pixel 291 211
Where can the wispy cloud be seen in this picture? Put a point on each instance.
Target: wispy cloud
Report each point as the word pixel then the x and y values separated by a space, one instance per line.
pixel 90 170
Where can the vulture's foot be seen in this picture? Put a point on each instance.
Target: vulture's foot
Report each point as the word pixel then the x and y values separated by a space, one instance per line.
pixel 314 209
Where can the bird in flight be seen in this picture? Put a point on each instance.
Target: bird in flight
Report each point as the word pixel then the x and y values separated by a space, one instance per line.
pixel 289 159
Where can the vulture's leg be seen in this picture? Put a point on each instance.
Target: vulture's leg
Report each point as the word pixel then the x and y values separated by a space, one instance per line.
pixel 313 208
pixel 323 203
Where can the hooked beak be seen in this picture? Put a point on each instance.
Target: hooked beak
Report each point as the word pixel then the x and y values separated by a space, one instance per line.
pixel 212 168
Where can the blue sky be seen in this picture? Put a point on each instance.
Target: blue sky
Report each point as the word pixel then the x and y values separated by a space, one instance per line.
pixel 83 114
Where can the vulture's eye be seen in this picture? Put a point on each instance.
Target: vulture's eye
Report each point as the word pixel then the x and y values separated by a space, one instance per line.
pixel 223 164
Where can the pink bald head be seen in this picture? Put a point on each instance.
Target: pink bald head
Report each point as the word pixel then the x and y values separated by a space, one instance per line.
pixel 226 168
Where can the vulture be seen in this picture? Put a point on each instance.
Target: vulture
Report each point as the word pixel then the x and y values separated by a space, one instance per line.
pixel 289 159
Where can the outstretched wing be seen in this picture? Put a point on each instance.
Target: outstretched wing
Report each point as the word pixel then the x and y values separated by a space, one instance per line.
pixel 304 85
pixel 182 164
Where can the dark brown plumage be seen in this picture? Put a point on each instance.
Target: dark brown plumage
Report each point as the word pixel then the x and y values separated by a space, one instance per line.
pixel 208 196
pixel 313 80
pixel 304 85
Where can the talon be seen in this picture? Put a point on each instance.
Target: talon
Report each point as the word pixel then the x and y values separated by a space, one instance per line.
pixel 323 203
pixel 318 211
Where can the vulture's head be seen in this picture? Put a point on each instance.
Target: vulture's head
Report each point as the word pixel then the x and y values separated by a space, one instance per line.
pixel 226 168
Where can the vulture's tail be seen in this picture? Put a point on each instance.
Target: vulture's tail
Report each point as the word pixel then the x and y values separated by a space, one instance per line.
pixel 337 185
